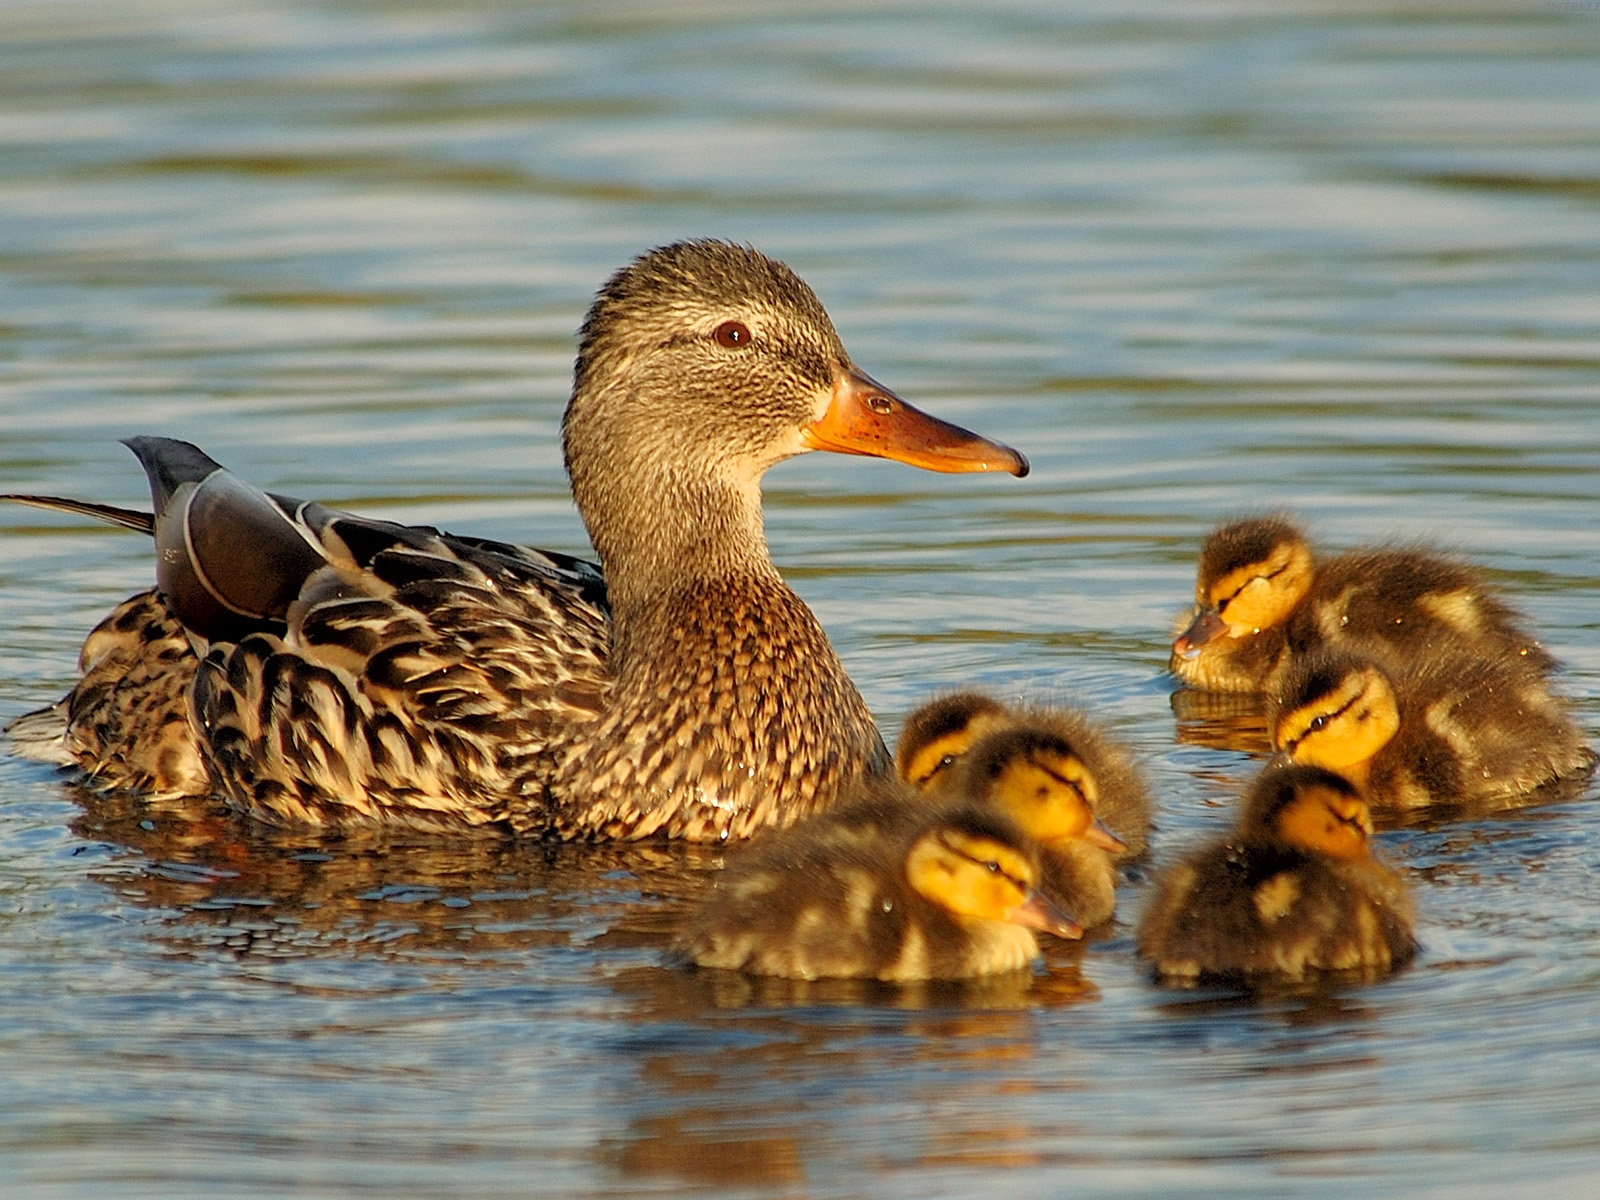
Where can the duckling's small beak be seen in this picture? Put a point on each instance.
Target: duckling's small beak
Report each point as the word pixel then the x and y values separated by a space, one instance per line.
pixel 864 417
pixel 1208 625
pixel 1098 835
pixel 1039 912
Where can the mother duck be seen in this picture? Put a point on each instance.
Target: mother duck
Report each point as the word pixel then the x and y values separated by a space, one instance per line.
pixel 319 668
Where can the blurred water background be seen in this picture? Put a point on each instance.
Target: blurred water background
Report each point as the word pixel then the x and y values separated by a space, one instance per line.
pixel 1194 259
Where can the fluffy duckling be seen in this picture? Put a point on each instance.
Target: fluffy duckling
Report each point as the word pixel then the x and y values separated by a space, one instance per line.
pixel 1261 598
pixel 937 736
pixel 949 897
pixel 1036 777
pixel 1479 733
pixel 1294 889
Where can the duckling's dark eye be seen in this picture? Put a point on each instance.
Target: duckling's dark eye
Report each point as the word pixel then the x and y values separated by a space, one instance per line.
pixel 733 335
pixel 994 867
pixel 1317 723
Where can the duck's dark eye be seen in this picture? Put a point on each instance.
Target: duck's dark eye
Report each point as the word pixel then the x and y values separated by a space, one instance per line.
pixel 1319 723
pixel 732 334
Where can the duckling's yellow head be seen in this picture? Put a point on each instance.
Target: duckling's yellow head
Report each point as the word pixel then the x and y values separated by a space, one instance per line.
pixel 978 866
pixel 1335 711
pixel 1252 574
pixel 1034 776
pixel 1311 808
pixel 936 735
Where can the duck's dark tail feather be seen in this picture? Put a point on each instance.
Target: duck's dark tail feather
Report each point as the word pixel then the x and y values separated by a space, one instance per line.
pixel 140 522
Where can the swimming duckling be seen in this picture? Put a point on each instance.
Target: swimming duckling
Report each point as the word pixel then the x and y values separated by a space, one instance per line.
pixel 1261 599
pixel 948 897
pixel 1037 778
pixel 1294 889
pixel 937 736
pixel 1478 733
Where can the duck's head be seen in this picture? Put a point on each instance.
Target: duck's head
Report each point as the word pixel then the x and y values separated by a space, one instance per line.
pixel 702 364
pixel 1335 710
pixel 979 866
pixel 1035 776
pixel 936 735
pixel 1252 573
pixel 1309 808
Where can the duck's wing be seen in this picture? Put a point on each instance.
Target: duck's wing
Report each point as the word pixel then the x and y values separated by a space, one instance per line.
pixel 353 669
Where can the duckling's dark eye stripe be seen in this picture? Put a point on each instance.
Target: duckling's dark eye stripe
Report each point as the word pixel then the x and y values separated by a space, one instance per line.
pixel 1234 595
pixel 988 864
pixel 1325 718
pixel 1077 789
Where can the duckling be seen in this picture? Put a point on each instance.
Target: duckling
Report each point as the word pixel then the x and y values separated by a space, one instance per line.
pixel 346 671
pixel 1261 598
pixel 1476 734
pixel 948 897
pixel 1293 890
pixel 937 736
pixel 1036 777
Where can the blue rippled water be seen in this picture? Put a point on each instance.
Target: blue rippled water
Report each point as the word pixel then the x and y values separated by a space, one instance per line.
pixel 1192 259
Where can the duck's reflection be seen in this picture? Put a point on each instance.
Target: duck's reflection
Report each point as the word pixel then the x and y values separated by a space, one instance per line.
pixel 256 890
pixel 719 1079
pixel 1222 721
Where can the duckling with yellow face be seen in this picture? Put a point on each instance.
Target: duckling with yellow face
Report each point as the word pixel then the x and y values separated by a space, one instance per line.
pixel 948 897
pixel 1261 599
pixel 937 738
pixel 1037 778
pixel 1292 891
pixel 1476 734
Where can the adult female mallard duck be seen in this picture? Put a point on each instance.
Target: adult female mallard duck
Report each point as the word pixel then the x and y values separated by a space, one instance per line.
pixel 1261 598
pixel 949 896
pixel 1446 733
pixel 354 671
pixel 938 737
pixel 1292 891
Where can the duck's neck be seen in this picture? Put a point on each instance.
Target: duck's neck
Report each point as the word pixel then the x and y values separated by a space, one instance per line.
pixel 660 531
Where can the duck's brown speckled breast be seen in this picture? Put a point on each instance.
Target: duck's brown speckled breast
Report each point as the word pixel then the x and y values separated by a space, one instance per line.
pixel 730 712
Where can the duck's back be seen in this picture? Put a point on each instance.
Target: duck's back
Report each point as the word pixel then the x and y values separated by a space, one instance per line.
pixel 419 679
pixel 1476 732
pixel 1399 605
pixel 1256 910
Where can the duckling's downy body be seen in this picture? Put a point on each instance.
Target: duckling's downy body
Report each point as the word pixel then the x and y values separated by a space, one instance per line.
pixel 949 896
pixel 1445 733
pixel 1292 891
pixel 1261 599
pixel 352 671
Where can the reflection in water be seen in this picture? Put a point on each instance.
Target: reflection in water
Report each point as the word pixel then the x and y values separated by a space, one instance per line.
pixel 745 1098
pixel 262 891
pixel 1222 720
pixel 723 1070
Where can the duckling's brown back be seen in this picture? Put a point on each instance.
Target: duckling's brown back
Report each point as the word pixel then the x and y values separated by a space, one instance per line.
pixel 1249 909
pixel 1399 604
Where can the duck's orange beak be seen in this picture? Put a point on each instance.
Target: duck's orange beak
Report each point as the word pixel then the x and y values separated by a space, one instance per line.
pixel 864 417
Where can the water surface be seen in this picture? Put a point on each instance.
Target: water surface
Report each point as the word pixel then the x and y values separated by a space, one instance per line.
pixel 1341 259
